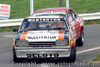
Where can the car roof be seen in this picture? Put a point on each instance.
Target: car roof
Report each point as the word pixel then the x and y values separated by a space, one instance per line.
pixel 51 9
pixel 44 17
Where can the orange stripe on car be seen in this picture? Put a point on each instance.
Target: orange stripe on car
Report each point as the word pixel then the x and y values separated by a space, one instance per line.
pixel 23 35
pixel 70 42
pixel 27 17
pixel 74 42
pixel 61 34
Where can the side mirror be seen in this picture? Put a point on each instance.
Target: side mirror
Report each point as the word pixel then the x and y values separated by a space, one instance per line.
pixel 15 30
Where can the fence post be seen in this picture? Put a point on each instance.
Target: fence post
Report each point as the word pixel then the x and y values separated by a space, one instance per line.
pixel 31 7
pixel 67 3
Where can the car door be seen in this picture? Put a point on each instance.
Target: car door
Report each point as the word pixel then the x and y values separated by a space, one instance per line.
pixel 77 23
pixel 74 24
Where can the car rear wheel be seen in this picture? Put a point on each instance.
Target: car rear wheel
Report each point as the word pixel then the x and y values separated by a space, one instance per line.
pixel 80 41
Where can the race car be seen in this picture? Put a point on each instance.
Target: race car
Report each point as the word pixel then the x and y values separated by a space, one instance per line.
pixel 75 22
pixel 45 37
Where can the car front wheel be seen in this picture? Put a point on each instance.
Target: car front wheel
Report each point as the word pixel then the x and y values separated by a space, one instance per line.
pixel 15 59
pixel 72 57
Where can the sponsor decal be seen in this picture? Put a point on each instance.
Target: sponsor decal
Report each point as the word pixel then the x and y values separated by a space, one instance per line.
pixel 41 37
pixel 44 35
pixel 44 19
pixel 34 36
pixel 51 12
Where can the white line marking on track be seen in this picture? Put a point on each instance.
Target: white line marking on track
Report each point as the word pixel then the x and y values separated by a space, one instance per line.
pixel 92 49
pixel 9 36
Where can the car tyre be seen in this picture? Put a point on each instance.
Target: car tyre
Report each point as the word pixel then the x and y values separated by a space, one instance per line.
pixel 80 41
pixel 72 57
pixel 15 59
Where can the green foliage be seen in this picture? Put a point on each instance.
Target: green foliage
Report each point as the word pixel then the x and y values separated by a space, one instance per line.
pixel 97 58
pixel 8 29
pixel 91 22
pixel 21 8
pixel 85 6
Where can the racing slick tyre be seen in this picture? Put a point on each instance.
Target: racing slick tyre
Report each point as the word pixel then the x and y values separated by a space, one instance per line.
pixel 72 57
pixel 15 59
pixel 80 41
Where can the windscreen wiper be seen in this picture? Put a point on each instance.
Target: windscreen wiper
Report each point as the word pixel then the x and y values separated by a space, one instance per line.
pixel 59 28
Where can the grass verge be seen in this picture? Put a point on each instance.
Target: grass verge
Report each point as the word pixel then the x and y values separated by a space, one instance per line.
pixel 96 59
pixel 91 22
pixel 21 8
pixel 8 29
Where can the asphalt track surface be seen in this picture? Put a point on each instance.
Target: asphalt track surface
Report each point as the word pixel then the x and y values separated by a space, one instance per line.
pixel 85 53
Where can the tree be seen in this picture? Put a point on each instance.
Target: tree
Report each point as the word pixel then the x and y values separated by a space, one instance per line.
pixel 61 3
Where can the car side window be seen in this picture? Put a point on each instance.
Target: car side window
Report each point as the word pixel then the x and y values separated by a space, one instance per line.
pixel 74 15
pixel 70 18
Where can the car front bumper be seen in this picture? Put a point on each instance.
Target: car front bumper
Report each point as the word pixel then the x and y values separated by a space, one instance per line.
pixel 31 52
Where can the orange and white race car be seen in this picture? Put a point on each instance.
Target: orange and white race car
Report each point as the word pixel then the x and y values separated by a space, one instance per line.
pixel 50 36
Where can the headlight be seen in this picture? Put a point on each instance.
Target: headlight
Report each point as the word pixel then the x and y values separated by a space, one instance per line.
pixel 22 43
pixel 62 42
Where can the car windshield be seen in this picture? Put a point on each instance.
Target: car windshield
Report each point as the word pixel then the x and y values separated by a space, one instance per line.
pixel 43 25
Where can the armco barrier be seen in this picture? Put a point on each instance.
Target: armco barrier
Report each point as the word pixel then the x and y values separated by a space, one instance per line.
pixel 12 22
pixel 17 22
pixel 90 16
